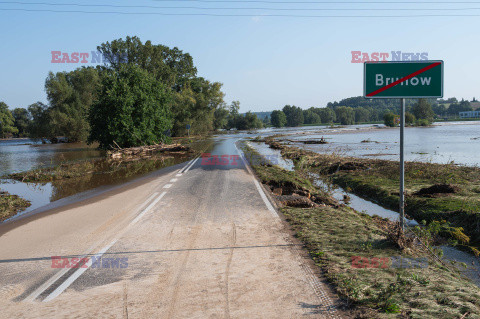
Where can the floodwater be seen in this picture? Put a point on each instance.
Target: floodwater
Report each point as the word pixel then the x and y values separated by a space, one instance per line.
pixel 23 155
pixel 457 142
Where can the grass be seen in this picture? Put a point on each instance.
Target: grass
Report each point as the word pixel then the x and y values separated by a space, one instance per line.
pixel 11 205
pixel 378 180
pixel 334 235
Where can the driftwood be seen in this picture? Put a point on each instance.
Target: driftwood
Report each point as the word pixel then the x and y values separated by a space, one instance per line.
pixel 143 151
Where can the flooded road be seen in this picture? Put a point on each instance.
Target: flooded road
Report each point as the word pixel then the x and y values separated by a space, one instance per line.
pixel 23 155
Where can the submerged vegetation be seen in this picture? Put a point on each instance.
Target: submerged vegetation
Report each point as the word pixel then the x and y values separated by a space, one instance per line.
pixel 10 205
pixel 125 164
pixel 348 245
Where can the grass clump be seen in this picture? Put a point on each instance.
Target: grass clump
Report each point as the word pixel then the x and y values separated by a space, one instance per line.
pixel 11 205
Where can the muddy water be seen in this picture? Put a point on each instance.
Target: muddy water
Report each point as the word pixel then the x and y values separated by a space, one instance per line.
pixel 21 155
pixel 442 143
pixel 24 155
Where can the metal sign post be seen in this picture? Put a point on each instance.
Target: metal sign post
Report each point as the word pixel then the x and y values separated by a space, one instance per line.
pixel 402 164
pixel 412 79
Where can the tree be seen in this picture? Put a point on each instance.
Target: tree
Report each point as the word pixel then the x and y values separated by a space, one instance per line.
pixel 7 122
pixel 22 121
pixel 278 118
pixel 133 108
pixel 345 115
pixel 310 116
pixel 390 119
pixel 423 110
pixel 195 105
pixel 221 117
pixel 294 115
pixel 409 118
pixel 71 95
pixel 439 109
pixel 39 126
pixel 362 115
pixel 327 115
pixel 169 65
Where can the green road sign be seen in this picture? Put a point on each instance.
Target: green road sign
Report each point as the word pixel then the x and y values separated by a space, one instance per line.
pixel 413 79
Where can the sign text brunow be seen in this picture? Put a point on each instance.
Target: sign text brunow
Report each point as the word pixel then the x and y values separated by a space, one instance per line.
pixel 414 79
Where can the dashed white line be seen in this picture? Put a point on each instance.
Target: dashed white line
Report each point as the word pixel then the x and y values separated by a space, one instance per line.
pixel 173 180
pixel 167 186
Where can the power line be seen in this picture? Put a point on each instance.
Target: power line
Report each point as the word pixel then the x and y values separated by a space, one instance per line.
pixel 242 15
pixel 235 8
pixel 323 2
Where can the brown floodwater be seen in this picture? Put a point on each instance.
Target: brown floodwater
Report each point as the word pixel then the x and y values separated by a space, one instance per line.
pixel 22 155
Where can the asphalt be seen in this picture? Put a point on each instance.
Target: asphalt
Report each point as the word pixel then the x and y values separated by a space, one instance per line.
pixel 198 240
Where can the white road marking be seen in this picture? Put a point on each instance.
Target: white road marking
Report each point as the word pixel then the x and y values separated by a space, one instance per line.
pixel 182 170
pixel 178 175
pixel 259 188
pixel 173 180
pixel 191 165
pixel 80 271
pixel 37 292
pixel 167 186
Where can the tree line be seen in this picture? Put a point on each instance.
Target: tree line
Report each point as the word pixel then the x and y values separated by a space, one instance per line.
pixel 356 110
pixel 144 94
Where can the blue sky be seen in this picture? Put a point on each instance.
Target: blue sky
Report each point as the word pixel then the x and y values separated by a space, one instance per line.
pixel 264 62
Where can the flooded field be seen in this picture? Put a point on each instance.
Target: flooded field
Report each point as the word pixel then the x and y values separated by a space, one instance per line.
pixel 442 143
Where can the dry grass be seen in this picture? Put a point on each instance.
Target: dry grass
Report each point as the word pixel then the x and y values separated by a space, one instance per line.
pixel 11 205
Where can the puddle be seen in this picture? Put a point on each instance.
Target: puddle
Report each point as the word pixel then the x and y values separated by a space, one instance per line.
pixel 273 155
pixel 472 271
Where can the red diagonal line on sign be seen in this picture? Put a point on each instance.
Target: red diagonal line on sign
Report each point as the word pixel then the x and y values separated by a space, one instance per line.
pixel 428 67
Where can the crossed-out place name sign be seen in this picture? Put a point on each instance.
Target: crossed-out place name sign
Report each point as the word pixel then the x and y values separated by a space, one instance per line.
pixel 413 79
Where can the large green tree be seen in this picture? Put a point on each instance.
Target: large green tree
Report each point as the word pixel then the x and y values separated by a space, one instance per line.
pixel 7 122
pixel 169 65
pixel 22 120
pixel 39 126
pixel 133 108
pixel 423 110
pixel 294 115
pixel 278 118
pixel 345 115
pixel 71 95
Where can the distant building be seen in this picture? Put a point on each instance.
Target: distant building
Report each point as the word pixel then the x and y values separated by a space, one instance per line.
pixel 469 114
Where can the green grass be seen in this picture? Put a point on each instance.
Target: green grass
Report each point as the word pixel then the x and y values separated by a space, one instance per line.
pixel 333 235
pixel 378 180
